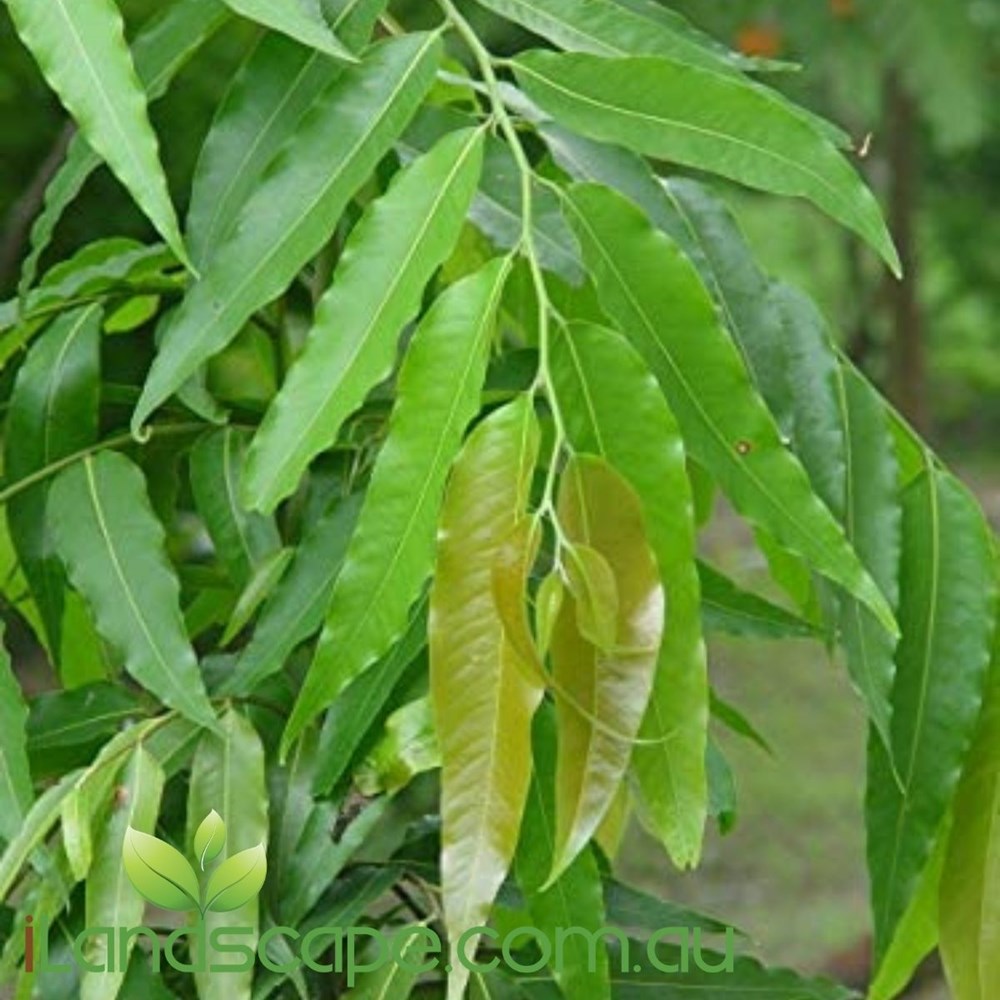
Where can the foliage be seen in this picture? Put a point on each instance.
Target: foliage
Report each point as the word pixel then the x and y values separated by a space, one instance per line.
pixel 385 475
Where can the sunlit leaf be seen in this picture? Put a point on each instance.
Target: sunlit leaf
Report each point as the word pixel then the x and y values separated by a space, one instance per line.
pixel 297 20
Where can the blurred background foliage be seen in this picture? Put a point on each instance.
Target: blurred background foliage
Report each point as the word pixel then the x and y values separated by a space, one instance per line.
pixel 915 83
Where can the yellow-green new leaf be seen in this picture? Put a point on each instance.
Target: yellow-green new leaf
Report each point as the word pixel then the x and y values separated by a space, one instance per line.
pixel 599 509
pixel 113 547
pixel 593 370
pixel 80 47
pixel 295 209
pixel 970 886
pixel 391 255
pixel 483 699
pixel 655 297
pixel 668 110
pixel 111 901
pixel 295 19
pixel 392 550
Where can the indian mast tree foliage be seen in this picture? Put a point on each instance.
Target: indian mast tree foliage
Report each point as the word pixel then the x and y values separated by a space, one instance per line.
pixel 382 471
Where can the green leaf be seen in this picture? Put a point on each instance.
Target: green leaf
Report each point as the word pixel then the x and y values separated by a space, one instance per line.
pixel 655 297
pixel 391 255
pixel 296 20
pixel 159 51
pixel 80 47
pixel 258 588
pixel 52 414
pixel 112 546
pixel 593 370
pixel 63 719
pixel 227 775
pixel 396 979
pixel 209 838
pixel 408 747
pixel 598 508
pixel 296 609
pixel 948 603
pixel 110 900
pixel 576 899
pixel 15 774
pixel 970 884
pixel 642 914
pixel 243 539
pixel 159 872
pixel 592 583
pixel 392 551
pixel 730 609
pixel 294 210
pixel 483 700
pixel 708 121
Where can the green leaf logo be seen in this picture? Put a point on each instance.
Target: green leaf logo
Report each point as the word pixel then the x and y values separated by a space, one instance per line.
pixel 159 872
pixel 210 838
pixel 237 880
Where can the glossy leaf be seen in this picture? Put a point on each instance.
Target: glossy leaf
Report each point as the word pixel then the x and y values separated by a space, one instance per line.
pixel 159 872
pixel 970 883
pixel 391 255
pixel 948 597
pixel 392 551
pixel 80 47
pixel 700 119
pixel 159 50
pixel 577 899
pixel 655 297
pixel 295 19
pixel 483 699
pixel 293 212
pixel 594 369
pixel 296 609
pixel 110 900
pixel 53 413
pixel 227 775
pixel 112 545
pixel 598 508
pixel 209 838
pixel 243 539
pixel 15 774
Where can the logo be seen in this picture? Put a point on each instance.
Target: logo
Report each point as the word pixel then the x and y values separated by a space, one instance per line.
pixel 165 878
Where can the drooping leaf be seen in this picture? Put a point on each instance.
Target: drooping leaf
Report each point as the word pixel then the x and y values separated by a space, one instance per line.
pixel 392 551
pixel 112 546
pixel 15 773
pixel 293 212
pixel 209 838
pixel 948 597
pixel 296 609
pixel 391 255
pixel 52 414
pixel 243 539
pixel 970 883
pixel 80 47
pixel 110 900
pixel 730 609
pixel 159 50
pixel 700 119
pixel 159 872
pixel 296 20
pixel 576 900
pixel 227 775
pixel 594 369
pixel 483 700
pixel 654 296
pixel 598 508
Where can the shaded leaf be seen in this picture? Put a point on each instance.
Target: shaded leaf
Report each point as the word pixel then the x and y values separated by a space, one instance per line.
pixel 257 590
pixel 15 774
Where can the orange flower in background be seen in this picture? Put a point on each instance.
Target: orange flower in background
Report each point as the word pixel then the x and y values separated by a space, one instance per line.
pixel 761 40
pixel 843 8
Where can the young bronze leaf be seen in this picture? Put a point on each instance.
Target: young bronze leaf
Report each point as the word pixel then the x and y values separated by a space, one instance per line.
pixel 392 550
pixel 948 598
pixel 599 509
pixel 656 299
pixel 377 289
pixel 112 545
pixel 665 109
pixel 594 369
pixel 483 700
pixel 294 210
